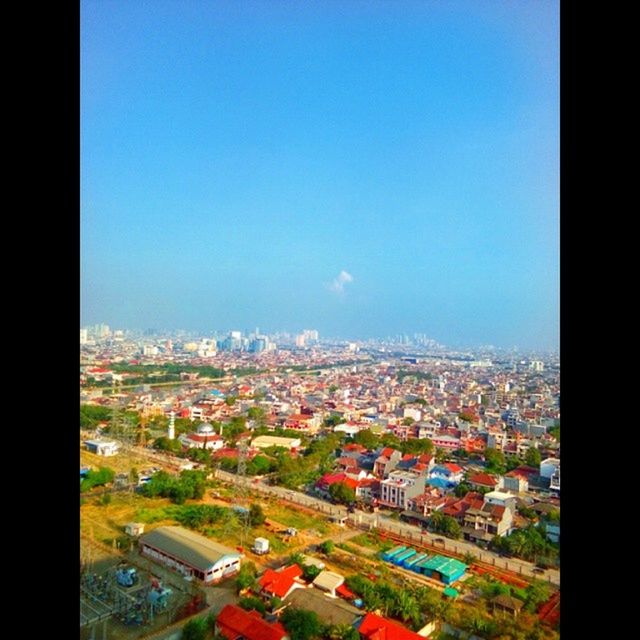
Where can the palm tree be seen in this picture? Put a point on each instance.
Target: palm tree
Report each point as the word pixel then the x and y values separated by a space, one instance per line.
pixel 405 606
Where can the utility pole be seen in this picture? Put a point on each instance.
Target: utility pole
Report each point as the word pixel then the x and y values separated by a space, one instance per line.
pixel 243 448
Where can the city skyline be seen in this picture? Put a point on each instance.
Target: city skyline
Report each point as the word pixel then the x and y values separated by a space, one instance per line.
pixel 356 168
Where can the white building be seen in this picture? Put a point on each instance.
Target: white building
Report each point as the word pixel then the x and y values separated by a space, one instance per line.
pixel 399 487
pixel 102 447
pixel 264 442
pixel 204 438
pixel 190 554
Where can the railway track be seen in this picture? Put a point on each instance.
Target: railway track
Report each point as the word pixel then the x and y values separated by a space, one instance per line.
pixel 549 612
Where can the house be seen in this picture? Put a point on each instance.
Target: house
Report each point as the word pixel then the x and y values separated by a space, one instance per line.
pixel 446 441
pixel 457 507
pixel 483 481
pixel 375 627
pixel 329 582
pixel 102 447
pixel 234 623
pixel 368 489
pixel 427 503
pixel 322 485
pixel 280 582
pixel 386 462
pixel 134 529
pixel 482 523
pixel 515 481
pixel 445 476
pixel 330 610
pixel 399 488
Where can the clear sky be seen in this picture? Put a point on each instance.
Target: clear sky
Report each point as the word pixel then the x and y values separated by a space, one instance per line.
pixel 365 168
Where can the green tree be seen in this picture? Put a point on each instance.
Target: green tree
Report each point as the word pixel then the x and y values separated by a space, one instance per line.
pixel 333 420
pixel 495 460
pixel 310 572
pixel 406 607
pixel 256 413
pixel 462 489
pixel 417 446
pixel 251 602
pixel 408 421
pixel 342 493
pixel 342 632
pixel 275 603
pixel 327 547
pixel 366 438
pixel 256 515
pixel 246 577
pixel 104 475
pixel 301 624
pixel 532 457
pixel 195 629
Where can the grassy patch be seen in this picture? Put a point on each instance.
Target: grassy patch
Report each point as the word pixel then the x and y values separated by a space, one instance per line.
pixel 298 519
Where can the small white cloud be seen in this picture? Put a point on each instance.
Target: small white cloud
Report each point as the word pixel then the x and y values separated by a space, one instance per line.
pixel 337 286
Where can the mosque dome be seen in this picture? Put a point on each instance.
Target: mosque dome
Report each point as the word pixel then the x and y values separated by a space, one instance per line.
pixel 206 427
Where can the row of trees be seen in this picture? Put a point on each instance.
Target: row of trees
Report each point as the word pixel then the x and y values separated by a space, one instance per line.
pixel 104 475
pixel 529 543
pixel 371 441
pixel 188 485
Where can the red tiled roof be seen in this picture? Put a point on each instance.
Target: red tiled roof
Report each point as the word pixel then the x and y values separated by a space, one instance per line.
pixel 454 468
pixel 235 622
pixel 375 627
pixel 198 437
pixel 278 583
pixel 484 479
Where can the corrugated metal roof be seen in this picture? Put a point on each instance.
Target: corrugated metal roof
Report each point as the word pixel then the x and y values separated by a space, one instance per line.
pixel 328 580
pixel 191 548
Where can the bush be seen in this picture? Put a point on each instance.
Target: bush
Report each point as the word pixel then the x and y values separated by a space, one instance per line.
pixel 251 602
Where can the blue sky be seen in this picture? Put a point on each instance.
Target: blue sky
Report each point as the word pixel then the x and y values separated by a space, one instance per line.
pixel 237 157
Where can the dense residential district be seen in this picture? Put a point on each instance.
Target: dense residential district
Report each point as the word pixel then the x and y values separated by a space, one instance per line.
pixel 255 487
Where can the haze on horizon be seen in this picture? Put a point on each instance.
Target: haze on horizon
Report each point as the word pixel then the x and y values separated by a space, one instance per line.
pixel 362 168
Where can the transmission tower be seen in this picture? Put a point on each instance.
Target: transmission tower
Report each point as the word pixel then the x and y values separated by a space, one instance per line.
pixel 243 494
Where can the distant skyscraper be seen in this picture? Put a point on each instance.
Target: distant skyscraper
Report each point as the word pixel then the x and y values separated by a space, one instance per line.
pixel 84 336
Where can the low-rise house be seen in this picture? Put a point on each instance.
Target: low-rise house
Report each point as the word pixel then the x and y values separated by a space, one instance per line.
pixel 329 582
pixel 483 481
pixel 386 462
pixel 375 627
pixel 330 610
pixel 280 582
pixel 427 503
pixel 234 623
pixel 323 484
pixel 481 524
pixel 515 481
pixel 102 447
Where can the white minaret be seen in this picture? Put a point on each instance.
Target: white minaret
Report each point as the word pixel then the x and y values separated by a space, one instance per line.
pixel 172 426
